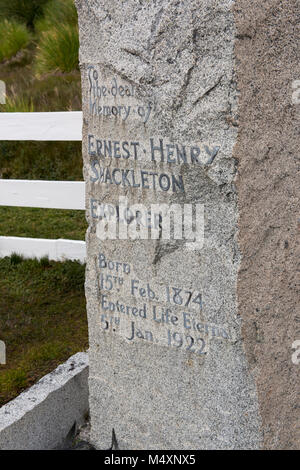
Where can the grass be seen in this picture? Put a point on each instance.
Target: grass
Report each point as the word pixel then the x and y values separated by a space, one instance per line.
pixel 13 38
pixel 42 223
pixel 24 11
pixel 55 13
pixel 52 92
pixel 42 321
pixel 56 33
pixel 18 104
pixel 58 50
pixel 41 160
pixel 58 38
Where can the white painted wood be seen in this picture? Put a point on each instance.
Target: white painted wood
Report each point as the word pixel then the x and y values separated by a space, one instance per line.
pixel 45 194
pixel 41 126
pixel 57 250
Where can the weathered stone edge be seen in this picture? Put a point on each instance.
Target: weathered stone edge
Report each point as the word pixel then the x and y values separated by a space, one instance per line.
pixel 42 417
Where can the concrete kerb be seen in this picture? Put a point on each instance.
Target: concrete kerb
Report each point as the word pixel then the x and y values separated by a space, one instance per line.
pixel 44 416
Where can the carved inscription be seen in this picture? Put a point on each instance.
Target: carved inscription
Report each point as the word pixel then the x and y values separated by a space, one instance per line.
pixel 109 155
pixel 164 314
pixel 121 162
pixel 109 98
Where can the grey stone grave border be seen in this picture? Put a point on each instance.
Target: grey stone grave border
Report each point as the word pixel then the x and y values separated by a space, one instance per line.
pixel 44 416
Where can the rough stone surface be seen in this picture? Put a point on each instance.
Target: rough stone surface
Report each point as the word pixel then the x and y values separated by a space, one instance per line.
pixel 268 61
pixel 46 415
pixel 164 70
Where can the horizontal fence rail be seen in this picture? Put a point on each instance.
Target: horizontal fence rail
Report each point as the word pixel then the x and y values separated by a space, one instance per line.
pixel 56 250
pixel 44 194
pixel 56 126
pixel 41 126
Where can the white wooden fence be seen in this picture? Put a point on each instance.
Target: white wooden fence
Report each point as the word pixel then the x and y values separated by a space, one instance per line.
pixel 41 126
pixel 43 194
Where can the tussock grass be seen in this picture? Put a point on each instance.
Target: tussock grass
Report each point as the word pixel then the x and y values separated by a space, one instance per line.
pixel 56 13
pixel 24 11
pixel 17 104
pixel 16 259
pixel 58 38
pixel 13 38
pixel 58 50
